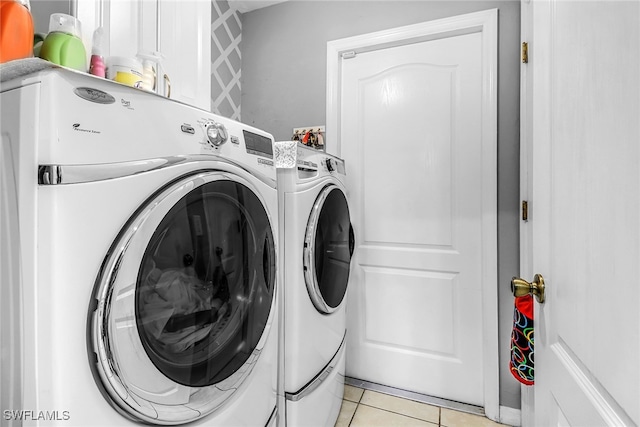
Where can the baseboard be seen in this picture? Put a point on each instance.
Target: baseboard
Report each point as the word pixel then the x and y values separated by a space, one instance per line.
pixel 510 416
pixel 418 397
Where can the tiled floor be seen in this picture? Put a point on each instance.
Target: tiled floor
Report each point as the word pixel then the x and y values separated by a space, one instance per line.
pixel 368 408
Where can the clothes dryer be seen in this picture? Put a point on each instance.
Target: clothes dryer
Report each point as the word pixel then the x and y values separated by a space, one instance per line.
pixel 318 242
pixel 148 250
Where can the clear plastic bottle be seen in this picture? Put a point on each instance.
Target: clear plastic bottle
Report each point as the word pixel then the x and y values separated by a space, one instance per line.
pixel 97 66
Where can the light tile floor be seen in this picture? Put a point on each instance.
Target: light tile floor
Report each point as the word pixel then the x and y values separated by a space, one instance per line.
pixel 367 408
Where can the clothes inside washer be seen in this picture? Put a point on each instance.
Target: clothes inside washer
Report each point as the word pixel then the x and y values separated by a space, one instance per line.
pixel 180 309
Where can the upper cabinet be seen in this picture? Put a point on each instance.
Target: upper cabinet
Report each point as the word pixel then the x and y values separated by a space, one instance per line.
pixel 185 41
pixel 176 31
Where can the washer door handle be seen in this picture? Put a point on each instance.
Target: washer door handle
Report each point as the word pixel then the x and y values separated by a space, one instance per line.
pixel 352 241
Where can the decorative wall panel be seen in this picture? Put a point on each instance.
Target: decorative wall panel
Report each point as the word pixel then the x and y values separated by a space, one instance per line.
pixel 226 33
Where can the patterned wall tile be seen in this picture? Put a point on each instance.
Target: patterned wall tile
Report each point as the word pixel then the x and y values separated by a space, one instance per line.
pixel 226 33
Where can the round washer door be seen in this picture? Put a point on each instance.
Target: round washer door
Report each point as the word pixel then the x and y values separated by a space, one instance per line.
pixel 184 300
pixel 328 247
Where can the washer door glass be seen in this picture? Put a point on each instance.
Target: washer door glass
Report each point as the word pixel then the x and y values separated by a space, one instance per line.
pixel 204 291
pixel 184 299
pixel 328 248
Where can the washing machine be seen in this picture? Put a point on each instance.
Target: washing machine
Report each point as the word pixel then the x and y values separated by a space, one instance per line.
pixel 146 239
pixel 317 245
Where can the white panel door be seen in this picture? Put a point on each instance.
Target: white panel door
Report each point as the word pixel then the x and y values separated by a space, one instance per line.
pixel 585 59
pixel 411 137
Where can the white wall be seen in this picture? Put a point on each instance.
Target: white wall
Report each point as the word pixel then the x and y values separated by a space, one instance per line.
pixel 283 86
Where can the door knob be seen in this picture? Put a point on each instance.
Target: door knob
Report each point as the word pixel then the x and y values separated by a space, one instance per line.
pixel 521 287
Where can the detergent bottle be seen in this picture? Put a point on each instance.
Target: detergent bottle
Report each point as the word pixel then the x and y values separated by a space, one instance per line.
pixel 63 45
pixel 16 30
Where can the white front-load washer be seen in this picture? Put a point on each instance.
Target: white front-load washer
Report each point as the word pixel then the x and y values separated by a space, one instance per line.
pixel 317 245
pixel 148 253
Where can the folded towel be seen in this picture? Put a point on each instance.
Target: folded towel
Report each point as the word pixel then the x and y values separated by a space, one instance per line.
pixel 22 67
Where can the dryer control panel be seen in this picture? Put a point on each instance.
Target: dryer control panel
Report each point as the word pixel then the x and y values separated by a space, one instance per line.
pixel 333 165
pixel 311 160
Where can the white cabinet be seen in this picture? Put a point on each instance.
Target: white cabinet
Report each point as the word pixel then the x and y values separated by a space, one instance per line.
pixel 179 30
pixel 185 41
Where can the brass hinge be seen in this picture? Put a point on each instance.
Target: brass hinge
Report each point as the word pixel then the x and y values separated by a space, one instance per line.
pixel 525 52
pixel 525 210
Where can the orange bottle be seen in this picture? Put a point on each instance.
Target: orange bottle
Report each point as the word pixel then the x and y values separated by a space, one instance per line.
pixel 16 30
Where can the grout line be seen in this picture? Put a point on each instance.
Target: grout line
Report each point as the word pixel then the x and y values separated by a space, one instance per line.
pixel 354 412
pixel 354 401
pixel 418 397
pixel 353 415
pixel 403 415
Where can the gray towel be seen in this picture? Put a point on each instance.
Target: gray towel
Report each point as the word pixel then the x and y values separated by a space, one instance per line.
pixel 22 67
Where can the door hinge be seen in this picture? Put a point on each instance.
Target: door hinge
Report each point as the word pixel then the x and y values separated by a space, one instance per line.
pixel 525 52
pixel 525 210
pixel 349 54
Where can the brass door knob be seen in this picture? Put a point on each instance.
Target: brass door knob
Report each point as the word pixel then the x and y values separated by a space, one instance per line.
pixel 167 86
pixel 521 287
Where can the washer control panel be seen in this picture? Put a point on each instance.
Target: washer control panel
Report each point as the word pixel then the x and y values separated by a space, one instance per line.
pixel 216 133
pixel 228 139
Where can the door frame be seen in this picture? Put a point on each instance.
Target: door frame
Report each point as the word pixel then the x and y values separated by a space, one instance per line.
pixel 527 398
pixel 486 23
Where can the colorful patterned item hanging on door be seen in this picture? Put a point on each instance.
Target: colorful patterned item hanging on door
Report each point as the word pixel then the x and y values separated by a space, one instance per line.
pixel 521 364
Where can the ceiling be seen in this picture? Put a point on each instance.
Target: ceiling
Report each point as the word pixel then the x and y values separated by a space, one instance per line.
pixel 249 5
